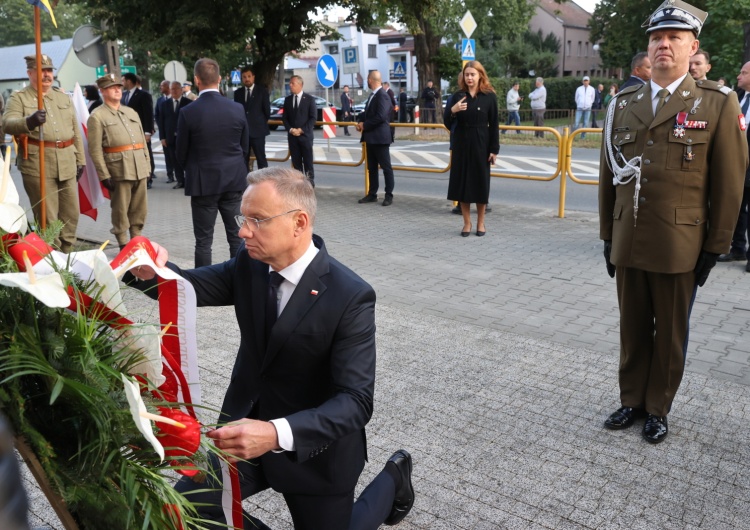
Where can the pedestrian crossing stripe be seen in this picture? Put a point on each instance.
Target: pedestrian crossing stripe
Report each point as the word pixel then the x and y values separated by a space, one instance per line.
pixel 468 49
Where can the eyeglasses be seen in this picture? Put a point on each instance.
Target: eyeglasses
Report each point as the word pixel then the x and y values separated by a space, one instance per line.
pixel 241 219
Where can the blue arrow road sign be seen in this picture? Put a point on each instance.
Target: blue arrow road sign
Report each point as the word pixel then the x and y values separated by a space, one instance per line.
pixel 235 77
pixel 327 71
pixel 468 49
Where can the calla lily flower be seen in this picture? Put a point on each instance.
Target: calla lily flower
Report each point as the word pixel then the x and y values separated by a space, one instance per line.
pixel 93 264
pixel 47 288
pixel 145 340
pixel 12 216
pixel 140 414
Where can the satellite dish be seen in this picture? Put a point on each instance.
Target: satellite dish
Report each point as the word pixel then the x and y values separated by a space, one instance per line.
pixel 175 71
pixel 88 46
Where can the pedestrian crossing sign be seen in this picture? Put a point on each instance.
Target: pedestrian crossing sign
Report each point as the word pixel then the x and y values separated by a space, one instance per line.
pixel 399 69
pixel 468 49
pixel 235 77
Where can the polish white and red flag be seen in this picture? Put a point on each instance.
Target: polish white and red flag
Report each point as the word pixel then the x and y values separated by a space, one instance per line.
pixel 91 193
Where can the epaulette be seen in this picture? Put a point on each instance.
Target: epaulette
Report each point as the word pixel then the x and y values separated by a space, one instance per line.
pixel 58 89
pixel 713 85
pixel 630 89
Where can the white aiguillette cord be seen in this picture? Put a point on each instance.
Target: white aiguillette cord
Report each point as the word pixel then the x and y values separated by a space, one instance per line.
pixel 632 168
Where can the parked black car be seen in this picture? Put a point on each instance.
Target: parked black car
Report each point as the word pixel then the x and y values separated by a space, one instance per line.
pixel 277 110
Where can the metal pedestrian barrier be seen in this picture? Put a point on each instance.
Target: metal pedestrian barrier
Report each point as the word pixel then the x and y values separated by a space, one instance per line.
pixel 563 168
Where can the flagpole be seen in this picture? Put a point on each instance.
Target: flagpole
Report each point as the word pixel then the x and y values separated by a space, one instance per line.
pixel 40 106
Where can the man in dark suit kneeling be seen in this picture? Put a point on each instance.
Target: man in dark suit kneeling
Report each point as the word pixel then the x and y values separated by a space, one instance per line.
pixel 302 386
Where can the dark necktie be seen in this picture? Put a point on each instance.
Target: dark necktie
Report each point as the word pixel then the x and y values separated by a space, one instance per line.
pixel 663 93
pixel 174 105
pixel 272 303
pixel 746 104
pixel 296 101
pixel 247 93
pixel 126 97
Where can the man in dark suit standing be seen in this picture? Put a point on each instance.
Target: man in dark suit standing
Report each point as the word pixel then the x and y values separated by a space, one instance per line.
pixel 640 71
pixel 140 101
pixel 302 386
pixel 255 100
pixel 212 148
pixel 164 90
pixel 374 124
pixel 299 116
pixel 403 116
pixel 346 108
pixel 739 251
pixel 169 112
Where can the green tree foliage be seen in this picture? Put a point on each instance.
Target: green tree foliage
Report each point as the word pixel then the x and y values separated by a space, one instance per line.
pixel 431 21
pixel 517 57
pixel 17 21
pixel 617 23
pixel 234 32
pixel 449 63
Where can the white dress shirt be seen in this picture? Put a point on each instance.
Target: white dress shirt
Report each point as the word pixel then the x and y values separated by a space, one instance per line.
pixel 292 276
pixel 655 88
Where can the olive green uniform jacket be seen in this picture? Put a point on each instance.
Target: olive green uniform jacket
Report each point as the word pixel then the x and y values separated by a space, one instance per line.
pixel 691 183
pixel 60 164
pixel 128 170
pixel 114 128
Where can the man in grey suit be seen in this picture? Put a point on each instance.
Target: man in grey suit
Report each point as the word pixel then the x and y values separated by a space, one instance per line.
pixel 301 390
pixel 374 124
pixel 212 146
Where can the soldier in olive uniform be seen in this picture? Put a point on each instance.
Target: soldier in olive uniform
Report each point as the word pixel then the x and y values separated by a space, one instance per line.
pixel 117 147
pixel 64 158
pixel 670 186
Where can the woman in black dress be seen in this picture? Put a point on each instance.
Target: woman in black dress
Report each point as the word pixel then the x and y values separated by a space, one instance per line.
pixel 472 116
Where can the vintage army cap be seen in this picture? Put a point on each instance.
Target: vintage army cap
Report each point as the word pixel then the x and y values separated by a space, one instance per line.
pixel 676 14
pixel 46 62
pixel 108 81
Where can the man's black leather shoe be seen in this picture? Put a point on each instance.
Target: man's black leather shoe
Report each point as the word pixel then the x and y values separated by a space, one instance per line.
pixel 747 267
pixel 623 418
pixel 404 498
pixel 178 186
pixel 655 429
pixel 456 209
pixel 368 198
pixel 732 256
pixel 388 201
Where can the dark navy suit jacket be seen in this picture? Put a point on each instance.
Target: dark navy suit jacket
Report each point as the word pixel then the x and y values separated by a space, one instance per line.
pixel 166 118
pixel 317 368
pixel 303 118
pixel 142 102
pixel 257 109
pixel 376 119
pixel 213 145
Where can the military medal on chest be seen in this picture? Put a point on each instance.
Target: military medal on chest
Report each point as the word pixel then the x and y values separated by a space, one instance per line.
pixel 679 126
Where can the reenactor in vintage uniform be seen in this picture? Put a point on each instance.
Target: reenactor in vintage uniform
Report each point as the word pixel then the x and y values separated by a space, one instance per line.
pixel 117 147
pixel 64 158
pixel 672 170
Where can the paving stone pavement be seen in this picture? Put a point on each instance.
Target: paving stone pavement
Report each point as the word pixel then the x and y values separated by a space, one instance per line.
pixel 497 361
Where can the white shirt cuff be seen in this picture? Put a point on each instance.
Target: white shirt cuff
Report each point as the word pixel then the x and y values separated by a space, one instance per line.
pixel 284 433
